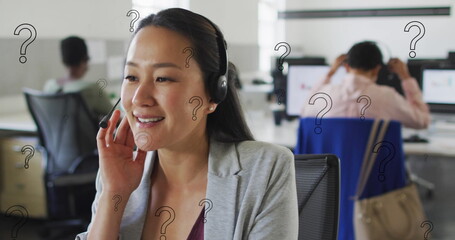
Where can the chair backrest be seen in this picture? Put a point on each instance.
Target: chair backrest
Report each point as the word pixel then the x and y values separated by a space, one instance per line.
pixel 65 126
pixel 318 179
pixel 347 138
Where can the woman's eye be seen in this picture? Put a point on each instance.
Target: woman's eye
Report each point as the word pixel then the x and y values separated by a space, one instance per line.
pixel 131 78
pixel 163 79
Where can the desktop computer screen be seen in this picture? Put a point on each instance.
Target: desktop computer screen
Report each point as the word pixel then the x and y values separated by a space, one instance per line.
pixel 438 88
pixel 300 80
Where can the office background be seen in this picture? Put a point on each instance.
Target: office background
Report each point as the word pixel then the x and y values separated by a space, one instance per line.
pixel 252 29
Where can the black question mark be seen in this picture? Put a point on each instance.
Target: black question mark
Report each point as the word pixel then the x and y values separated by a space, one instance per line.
pixel 33 33
pixel 427 232
pixel 31 152
pixel 134 19
pixel 187 60
pixel 285 54
pixel 364 108
pixel 102 86
pixel 279 95
pixel 142 140
pixel 23 219
pixel 387 159
pixel 325 110
pixel 117 202
pixel 412 45
pixel 199 105
pixel 210 206
pixel 168 221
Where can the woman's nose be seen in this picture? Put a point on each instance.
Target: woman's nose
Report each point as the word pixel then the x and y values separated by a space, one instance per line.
pixel 143 95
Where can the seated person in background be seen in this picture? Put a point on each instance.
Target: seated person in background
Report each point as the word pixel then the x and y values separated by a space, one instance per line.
pixel 184 156
pixel 75 57
pixel 363 62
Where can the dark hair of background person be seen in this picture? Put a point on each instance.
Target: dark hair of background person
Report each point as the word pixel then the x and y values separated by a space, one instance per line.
pixel 227 123
pixel 74 51
pixel 365 56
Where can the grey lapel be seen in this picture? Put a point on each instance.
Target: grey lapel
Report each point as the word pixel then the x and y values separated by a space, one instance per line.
pixel 222 187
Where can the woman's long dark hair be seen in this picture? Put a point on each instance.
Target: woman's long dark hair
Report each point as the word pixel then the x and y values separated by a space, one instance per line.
pixel 227 123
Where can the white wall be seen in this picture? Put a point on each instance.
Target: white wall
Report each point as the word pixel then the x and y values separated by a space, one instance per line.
pixel 238 19
pixel 105 19
pixel 353 4
pixel 331 37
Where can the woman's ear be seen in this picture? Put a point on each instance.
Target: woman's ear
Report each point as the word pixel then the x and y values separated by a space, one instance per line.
pixel 211 108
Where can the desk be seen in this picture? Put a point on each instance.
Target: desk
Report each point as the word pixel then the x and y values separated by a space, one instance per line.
pixel 441 136
pixel 441 142
pixel 18 122
pixel 263 128
pixel 17 184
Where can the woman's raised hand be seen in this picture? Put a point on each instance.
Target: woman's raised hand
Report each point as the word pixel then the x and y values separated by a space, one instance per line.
pixel 121 173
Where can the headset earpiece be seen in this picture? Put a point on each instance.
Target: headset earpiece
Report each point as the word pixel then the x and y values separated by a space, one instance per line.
pixel 218 84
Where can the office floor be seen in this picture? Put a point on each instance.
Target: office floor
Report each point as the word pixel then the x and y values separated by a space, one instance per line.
pixel 440 210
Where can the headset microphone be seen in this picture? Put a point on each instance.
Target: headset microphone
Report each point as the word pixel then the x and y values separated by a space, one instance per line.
pixel 105 119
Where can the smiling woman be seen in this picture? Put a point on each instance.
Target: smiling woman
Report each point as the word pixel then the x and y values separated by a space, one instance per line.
pixel 193 146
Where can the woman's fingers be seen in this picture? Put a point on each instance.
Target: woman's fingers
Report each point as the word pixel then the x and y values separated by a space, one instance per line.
pixel 109 138
pixel 100 138
pixel 122 132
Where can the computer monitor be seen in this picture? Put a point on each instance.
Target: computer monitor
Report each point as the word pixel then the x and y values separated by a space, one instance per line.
pixel 300 80
pixel 438 88
pixel 416 66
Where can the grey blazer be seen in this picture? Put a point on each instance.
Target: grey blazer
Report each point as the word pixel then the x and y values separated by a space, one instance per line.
pixel 252 187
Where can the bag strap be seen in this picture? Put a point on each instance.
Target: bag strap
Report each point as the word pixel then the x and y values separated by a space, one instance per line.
pixel 371 139
pixel 369 157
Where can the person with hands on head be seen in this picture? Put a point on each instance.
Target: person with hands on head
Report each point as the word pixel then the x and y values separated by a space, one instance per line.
pixel 160 156
pixel 363 63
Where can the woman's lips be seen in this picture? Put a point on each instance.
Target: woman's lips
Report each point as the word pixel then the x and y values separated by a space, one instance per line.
pixel 148 121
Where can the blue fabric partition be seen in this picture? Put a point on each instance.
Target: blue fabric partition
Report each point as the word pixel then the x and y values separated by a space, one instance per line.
pixel 347 138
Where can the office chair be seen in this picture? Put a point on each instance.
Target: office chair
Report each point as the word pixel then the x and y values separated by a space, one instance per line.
pixel 67 132
pixel 318 180
pixel 347 139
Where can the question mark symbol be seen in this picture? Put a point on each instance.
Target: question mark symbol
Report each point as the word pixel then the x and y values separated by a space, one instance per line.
pixel 187 61
pixel 102 86
pixel 134 19
pixel 168 221
pixel 210 206
pixel 117 202
pixel 31 152
pixel 23 218
pixel 199 105
pixel 419 36
pixel 285 54
pixel 142 140
pixel 279 95
pixel 364 108
pixel 27 42
pixel 325 110
pixel 387 159
pixel 427 232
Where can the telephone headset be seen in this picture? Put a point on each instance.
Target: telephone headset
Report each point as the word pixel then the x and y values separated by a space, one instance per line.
pixel 217 87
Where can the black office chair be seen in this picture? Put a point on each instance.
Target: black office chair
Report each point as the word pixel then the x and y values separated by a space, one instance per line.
pixel 67 132
pixel 318 190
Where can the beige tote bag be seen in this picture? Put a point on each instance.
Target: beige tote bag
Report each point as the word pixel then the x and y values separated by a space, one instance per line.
pixel 395 215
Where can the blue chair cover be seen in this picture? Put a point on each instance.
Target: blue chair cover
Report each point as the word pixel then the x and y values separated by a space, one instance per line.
pixel 347 138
